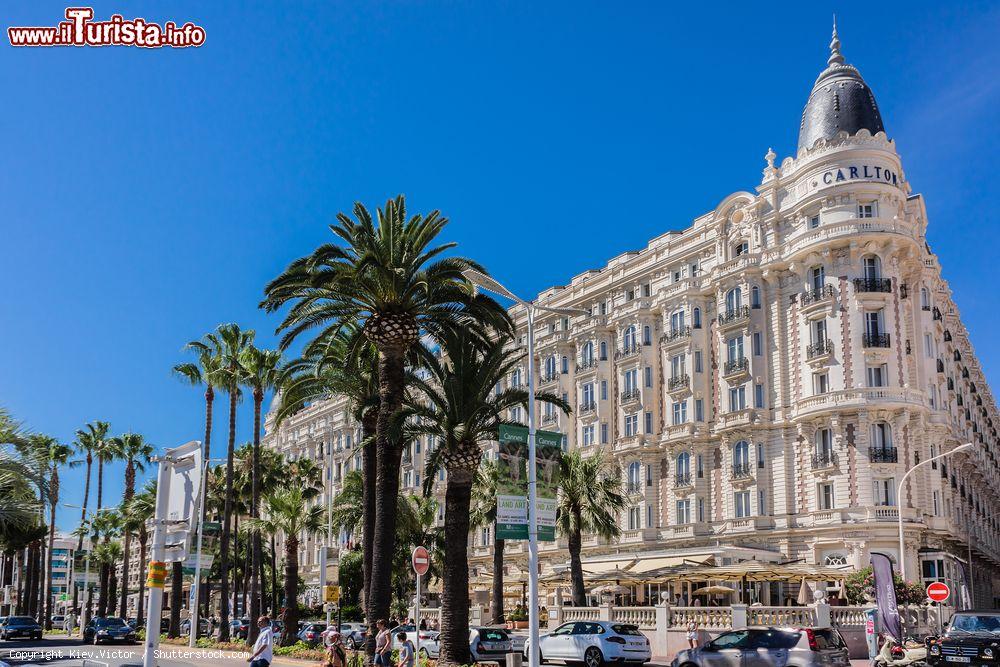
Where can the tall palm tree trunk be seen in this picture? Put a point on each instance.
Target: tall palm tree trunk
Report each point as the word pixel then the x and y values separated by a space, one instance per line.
pixel 129 494
pixel 32 605
pixel 256 556
pixel 53 502
pixel 274 578
pixel 369 473
pixel 176 594
pixel 455 573
pixel 227 514
pixel 42 551
pixel 83 518
pixel 100 481
pixel 291 619
pixel 496 602
pixel 575 544
pixel 22 576
pixel 141 609
pixel 209 403
pixel 102 597
pixel 389 454
pixel 112 587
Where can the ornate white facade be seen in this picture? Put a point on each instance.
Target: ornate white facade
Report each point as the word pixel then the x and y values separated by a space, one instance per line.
pixel 765 376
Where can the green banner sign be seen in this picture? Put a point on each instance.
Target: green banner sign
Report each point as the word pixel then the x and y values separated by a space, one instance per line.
pixel 512 493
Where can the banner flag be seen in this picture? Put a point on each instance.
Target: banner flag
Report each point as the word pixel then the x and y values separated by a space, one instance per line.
pixel 512 492
pixel 885 596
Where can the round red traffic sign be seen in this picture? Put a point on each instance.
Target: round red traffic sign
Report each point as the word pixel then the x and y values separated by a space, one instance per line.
pixel 421 560
pixel 938 591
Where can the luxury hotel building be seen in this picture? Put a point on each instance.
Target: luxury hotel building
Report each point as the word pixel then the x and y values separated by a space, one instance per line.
pixel 766 376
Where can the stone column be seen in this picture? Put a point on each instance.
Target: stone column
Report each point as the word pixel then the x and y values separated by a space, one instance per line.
pixel 822 610
pixel 739 617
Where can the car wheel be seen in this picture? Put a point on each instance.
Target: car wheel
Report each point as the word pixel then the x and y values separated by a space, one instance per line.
pixel 592 657
pixel 96 641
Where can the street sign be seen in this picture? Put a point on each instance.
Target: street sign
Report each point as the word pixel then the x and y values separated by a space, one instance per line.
pixel 331 593
pixel 512 492
pixel 211 528
pixel 938 591
pixel 421 560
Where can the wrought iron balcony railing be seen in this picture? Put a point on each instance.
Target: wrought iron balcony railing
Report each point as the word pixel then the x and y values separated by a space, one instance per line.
pixel 824 460
pixel 629 351
pixel 873 284
pixel 630 395
pixel 819 349
pixel 817 294
pixel 883 454
pixel 682 479
pixel 586 364
pixel 734 366
pixel 676 334
pixel 587 408
pixel 678 381
pixel 875 340
pixel 734 315
pixel 742 471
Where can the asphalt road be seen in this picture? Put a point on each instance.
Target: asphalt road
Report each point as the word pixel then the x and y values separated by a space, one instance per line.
pixel 60 650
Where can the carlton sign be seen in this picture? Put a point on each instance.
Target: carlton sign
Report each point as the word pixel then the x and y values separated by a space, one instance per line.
pixel 863 172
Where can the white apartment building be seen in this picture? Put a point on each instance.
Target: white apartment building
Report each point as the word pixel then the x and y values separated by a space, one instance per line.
pixel 765 376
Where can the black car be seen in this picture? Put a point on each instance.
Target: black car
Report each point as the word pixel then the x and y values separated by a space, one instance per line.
pixel 973 638
pixel 110 629
pixel 20 626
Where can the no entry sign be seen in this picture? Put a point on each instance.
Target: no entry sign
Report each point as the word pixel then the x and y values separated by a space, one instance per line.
pixel 421 560
pixel 938 591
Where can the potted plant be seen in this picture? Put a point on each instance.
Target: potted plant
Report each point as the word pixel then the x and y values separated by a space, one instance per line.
pixel 518 619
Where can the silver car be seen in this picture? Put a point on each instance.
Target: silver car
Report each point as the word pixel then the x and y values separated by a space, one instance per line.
pixel 766 647
pixel 485 644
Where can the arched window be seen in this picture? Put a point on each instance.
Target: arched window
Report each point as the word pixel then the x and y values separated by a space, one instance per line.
pixel 872 266
pixel 628 338
pixel 835 560
pixel 741 248
pixel 515 378
pixel 741 454
pixel 604 350
pixel 550 367
pixel 734 300
pixel 647 335
pixel 925 299
pixel 683 465
pixel 696 317
pixel 755 297
pixel 588 352
pixel 881 436
pixel 634 476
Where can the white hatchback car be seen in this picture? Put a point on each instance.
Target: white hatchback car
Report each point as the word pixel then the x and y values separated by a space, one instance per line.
pixel 594 643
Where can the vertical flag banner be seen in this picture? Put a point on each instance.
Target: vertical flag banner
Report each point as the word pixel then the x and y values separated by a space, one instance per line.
pixel 885 596
pixel 512 492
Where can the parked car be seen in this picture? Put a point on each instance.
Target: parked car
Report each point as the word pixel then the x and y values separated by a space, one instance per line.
pixel 58 620
pixel 277 626
pixel 485 644
pixel 410 634
pixel 239 628
pixel 204 627
pixel 110 629
pixel 20 626
pixel 353 634
pixel 594 643
pixel 312 633
pixel 430 645
pixel 972 638
pixel 763 647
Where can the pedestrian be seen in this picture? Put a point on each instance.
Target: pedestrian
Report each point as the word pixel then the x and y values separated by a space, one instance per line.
pixel 406 652
pixel 383 644
pixel 423 624
pixel 692 633
pixel 69 623
pixel 336 656
pixel 263 648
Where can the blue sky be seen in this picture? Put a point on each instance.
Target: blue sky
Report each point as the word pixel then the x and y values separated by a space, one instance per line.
pixel 147 196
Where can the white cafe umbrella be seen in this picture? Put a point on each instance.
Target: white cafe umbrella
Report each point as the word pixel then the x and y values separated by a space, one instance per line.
pixel 804 593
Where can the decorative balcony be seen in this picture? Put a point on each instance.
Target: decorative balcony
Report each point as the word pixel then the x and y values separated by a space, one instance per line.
pixel 817 295
pixel 823 348
pixel 548 378
pixel 586 364
pixel 821 460
pixel 676 335
pixel 736 366
pixel 634 488
pixel 587 408
pixel 873 285
pixel 875 340
pixel 742 471
pixel 678 382
pixel 627 352
pixel 682 480
pixel 734 316
pixel 630 395
pixel 550 419
pixel 883 455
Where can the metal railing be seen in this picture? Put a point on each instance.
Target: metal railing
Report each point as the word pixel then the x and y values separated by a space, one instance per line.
pixel 817 294
pixel 676 334
pixel 627 352
pixel 630 395
pixel 873 285
pixel 819 349
pixel 586 364
pixel 736 366
pixel 678 381
pixel 742 471
pixel 587 408
pixel 883 455
pixel 682 479
pixel 875 340
pixel 824 460
pixel 734 315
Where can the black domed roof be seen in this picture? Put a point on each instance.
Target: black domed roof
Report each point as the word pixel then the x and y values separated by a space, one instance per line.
pixel 840 101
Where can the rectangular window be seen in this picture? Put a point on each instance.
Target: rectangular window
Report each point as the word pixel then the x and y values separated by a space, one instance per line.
pixel 884 490
pixel 647 290
pixel 700 465
pixel 819 332
pixel 734 349
pixel 824 496
pixel 874 323
pixel 677 321
pixel 649 475
pixel 758 395
pixel 631 379
pixel 649 422
pixel 694 270
pixel 814 222
pixel 737 398
pixel 631 425
pixel 937 503
pixel 741 503
pixel 701 509
pixel 867 210
pixel 604 433
pixel 629 295
pixel 588 435
pixel 878 376
pixel 604 390
pixel 604 308
pixel 633 518
pixel 588 393
pixel 757 345
pixel 680 412
pixel 760 455
pixel 647 375
pixel 699 410
pixel 683 511
pixel 821 383
pixel 761 504
pixel 697 361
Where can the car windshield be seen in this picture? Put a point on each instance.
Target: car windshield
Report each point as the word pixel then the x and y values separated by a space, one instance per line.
pixel 109 622
pixel 20 620
pixel 976 623
pixel 773 639
pixel 493 635
pixel 628 630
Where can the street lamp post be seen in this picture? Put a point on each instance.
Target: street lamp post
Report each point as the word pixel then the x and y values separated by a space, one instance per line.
pixel 490 285
pixel 899 496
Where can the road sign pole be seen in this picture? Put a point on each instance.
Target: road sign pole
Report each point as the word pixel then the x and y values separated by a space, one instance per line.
pixel 196 584
pixel 158 548
pixel 416 620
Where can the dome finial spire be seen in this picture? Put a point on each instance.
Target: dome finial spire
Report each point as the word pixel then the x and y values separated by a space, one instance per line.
pixel 836 58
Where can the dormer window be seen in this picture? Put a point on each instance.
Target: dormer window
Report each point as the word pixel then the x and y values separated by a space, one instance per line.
pixel 867 210
pixel 741 248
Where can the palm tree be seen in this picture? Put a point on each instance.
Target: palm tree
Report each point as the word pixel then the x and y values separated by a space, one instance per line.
pixel 86 443
pixel 98 432
pixel 458 404
pixel 388 278
pixel 286 512
pixel 108 554
pixel 262 373
pixel 139 509
pixel 55 454
pixel 227 343
pixel 590 498
pixel 106 524
pixel 135 451
pixel 19 506
pixel 484 513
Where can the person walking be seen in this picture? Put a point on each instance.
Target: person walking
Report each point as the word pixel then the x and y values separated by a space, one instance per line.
pixel 263 648
pixel 692 633
pixel 336 655
pixel 407 655
pixel 383 644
